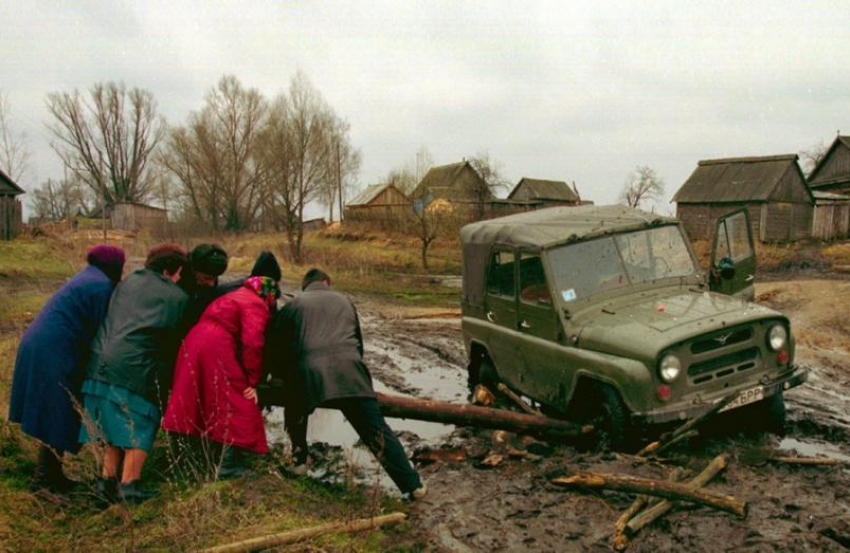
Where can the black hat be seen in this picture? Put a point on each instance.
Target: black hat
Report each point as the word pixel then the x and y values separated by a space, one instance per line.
pixel 210 259
pixel 266 266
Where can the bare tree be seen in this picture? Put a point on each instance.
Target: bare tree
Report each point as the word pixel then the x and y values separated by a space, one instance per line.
pixel 14 155
pixel 345 167
pixel 643 184
pixel 429 220
pixel 298 153
pixel 57 200
pixel 214 156
pixel 107 139
pixel 812 157
pixel 490 171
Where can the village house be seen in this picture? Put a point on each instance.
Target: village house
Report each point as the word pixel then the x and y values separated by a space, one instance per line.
pixel 11 214
pixel 772 188
pixel 137 217
pixel 377 203
pixel 459 184
pixel 832 173
pixel 543 193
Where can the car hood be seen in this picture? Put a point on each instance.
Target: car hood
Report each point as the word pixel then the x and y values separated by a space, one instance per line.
pixel 642 325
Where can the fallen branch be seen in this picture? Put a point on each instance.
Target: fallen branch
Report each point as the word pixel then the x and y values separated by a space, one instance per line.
pixel 482 417
pixel 293 536
pixel 690 425
pixel 516 399
pixel 659 488
pixel 673 441
pixel 621 541
pixel 826 461
pixel 653 513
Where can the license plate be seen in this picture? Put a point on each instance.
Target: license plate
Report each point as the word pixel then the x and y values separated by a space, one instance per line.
pixel 745 398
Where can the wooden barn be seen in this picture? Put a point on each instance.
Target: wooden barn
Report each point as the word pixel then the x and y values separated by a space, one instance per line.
pixel 11 213
pixel 377 203
pixel 831 220
pixel 544 193
pixel 137 217
pixel 459 183
pixel 772 188
pixel 832 173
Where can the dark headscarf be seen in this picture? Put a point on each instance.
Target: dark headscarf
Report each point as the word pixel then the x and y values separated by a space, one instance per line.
pixel 267 266
pixel 109 259
pixel 210 259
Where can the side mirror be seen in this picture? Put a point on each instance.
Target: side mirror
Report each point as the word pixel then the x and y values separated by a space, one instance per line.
pixel 726 268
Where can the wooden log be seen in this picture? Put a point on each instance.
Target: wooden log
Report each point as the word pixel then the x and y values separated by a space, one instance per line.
pixel 293 536
pixel 482 417
pixel 675 475
pixel 659 488
pixel 654 513
pixel 824 461
pixel 516 399
pixel 689 425
pixel 673 441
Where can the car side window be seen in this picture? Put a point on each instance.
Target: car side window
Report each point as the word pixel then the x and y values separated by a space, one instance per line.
pixel 500 276
pixel 532 280
pixel 739 238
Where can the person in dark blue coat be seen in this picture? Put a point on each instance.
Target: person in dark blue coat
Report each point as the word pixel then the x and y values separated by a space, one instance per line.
pixel 52 359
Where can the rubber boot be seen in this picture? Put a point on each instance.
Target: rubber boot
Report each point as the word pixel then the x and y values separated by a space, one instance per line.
pixel 106 490
pixel 49 474
pixel 130 493
pixel 232 464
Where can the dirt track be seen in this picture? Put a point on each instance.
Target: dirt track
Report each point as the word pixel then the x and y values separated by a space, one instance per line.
pixel 512 506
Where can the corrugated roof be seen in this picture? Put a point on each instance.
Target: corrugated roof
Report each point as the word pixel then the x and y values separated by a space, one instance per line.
pixel 368 194
pixel 556 225
pixel 8 186
pixel 540 189
pixel 737 179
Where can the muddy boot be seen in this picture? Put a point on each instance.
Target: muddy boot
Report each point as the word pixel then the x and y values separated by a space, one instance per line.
pixel 106 490
pixel 232 464
pixel 49 475
pixel 130 493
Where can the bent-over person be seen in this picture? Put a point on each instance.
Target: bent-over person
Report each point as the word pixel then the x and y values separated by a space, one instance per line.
pixel 317 349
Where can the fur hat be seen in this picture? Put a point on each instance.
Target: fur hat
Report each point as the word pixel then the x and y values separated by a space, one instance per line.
pixel 210 259
pixel 267 265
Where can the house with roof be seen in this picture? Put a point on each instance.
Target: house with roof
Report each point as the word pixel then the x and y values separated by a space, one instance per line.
pixel 544 193
pixel 772 189
pixel 380 203
pixel 832 173
pixel 11 212
pixel 459 183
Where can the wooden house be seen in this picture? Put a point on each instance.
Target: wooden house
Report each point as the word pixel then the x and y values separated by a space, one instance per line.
pixel 832 173
pixel 137 217
pixel 11 213
pixel 544 193
pixel 381 203
pixel 772 188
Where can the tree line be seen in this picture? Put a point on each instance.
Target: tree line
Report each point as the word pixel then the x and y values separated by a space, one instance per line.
pixel 240 162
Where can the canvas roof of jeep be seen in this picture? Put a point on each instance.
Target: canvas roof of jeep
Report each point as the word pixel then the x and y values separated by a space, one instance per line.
pixel 543 228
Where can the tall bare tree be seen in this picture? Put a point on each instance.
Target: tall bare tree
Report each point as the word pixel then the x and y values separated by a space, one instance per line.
pixel 297 152
pixel 14 155
pixel 214 156
pixel 56 200
pixel 108 138
pixel 345 165
pixel 642 185
pixel 490 171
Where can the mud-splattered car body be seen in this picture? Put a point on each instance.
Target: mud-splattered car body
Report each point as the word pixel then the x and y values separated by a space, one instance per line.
pixel 562 302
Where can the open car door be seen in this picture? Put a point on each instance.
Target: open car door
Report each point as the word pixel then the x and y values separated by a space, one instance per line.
pixel 733 256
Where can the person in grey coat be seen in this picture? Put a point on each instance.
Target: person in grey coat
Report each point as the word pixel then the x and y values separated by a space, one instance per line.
pixel 316 348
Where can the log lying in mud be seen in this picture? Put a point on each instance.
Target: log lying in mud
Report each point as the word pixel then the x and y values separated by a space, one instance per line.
pixel 293 536
pixel 657 511
pixel 481 417
pixel 518 400
pixel 824 461
pixel 652 448
pixel 659 488
pixel 641 501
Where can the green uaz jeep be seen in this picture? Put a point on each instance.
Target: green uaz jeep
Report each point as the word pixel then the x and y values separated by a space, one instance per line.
pixel 601 313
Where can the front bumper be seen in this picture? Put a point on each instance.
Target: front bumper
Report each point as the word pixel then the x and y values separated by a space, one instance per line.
pixel 796 376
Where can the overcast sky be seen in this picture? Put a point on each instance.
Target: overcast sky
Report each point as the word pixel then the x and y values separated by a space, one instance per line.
pixel 553 90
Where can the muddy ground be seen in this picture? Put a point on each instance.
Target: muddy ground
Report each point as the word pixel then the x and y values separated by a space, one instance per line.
pixel 513 507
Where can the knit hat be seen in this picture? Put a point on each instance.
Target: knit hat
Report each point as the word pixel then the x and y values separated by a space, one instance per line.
pixel 210 259
pixel 267 265
pixel 109 259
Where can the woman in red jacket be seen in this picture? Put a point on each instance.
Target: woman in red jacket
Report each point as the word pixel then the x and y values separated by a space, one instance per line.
pixel 219 366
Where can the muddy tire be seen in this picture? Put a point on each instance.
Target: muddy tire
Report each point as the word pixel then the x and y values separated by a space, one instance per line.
pixel 613 421
pixel 485 373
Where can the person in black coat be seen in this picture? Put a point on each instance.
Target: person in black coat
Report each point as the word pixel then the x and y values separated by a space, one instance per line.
pixel 317 350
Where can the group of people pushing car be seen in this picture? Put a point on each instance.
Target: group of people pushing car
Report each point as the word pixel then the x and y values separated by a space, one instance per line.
pixel 109 361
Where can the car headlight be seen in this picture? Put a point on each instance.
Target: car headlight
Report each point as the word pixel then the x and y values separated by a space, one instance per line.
pixel 669 368
pixel 777 337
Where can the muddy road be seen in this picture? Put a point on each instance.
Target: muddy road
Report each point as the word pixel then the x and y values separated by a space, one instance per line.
pixel 512 507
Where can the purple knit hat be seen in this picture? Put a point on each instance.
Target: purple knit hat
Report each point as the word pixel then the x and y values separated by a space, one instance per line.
pixel 109 259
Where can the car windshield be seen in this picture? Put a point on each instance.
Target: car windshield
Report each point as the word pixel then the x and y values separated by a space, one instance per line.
pixel 587 268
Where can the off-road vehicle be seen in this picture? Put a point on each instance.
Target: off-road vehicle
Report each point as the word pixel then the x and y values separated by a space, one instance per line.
pixel 602 313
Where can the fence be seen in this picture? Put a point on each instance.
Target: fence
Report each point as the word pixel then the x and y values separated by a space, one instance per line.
pixel 10 217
